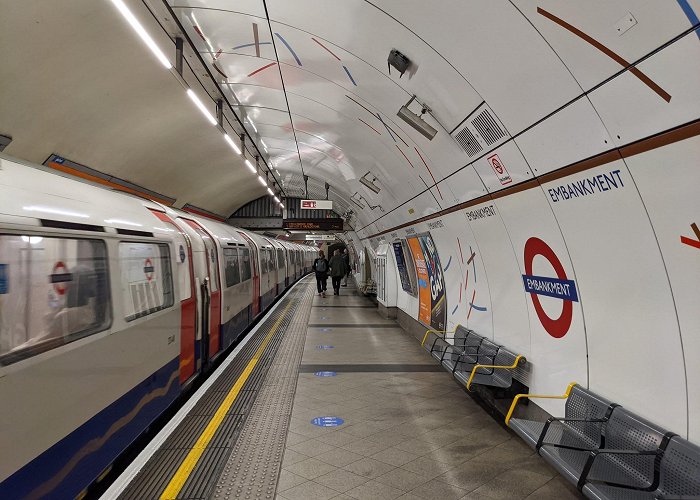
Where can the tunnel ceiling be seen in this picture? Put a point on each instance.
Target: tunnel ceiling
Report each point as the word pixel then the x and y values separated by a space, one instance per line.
pixel 313 79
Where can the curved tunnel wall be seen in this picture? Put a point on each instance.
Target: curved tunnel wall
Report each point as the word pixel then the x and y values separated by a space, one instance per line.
pixel 615 223
pixel 631 333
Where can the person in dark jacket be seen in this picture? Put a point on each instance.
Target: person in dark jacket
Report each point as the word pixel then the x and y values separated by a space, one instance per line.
pixel 320 267
pixel 337 265
pixel 346 259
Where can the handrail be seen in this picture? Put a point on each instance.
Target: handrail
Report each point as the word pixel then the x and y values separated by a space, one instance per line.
pixel 514 365
pixel 517 398
pixel 425 337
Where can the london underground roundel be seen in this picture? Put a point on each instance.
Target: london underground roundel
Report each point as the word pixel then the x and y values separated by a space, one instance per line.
pixel 559 287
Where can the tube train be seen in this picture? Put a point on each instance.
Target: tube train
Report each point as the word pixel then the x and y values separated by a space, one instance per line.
pixel 110 307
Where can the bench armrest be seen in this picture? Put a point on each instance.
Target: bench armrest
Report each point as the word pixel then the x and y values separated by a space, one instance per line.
pixel 542 396
pixel 593 454
pixel 437 334
pixel 505 367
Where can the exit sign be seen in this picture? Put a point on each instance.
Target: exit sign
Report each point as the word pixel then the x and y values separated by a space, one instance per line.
pixel 317 204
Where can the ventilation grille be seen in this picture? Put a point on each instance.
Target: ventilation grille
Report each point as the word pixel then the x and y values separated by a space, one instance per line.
pixel 485 124
pixel 466 139
pixel 479 132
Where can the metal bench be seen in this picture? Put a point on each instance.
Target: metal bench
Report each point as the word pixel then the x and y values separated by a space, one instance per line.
pixel 630 450
pixel 471 358
pixel 497 373
pixel 582 426
pixel 678 478
pixel 465 363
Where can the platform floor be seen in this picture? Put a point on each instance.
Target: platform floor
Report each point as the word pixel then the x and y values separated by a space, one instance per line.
pixel 406 434
pixel 408 430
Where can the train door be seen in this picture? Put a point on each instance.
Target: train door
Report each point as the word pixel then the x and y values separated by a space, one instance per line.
pixel 188 302
pixel 255 299
pixel 211 296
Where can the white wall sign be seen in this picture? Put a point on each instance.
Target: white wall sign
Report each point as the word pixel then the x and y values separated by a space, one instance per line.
pixel 320 237
pixel 316 204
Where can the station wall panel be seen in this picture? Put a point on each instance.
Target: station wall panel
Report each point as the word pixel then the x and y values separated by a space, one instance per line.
pixel 558 352
pixel 623 291
pixel 667 179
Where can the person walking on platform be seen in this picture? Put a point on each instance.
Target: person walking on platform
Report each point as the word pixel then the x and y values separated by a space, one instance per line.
pixel 320 267
pixel 346 259
pixel 337 265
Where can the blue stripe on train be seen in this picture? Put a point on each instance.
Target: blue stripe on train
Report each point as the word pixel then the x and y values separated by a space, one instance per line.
pixel 72 464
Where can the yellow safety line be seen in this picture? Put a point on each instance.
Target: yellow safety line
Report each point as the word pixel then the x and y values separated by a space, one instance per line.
pixel 517 398
pixel 183 472
pixel 469 382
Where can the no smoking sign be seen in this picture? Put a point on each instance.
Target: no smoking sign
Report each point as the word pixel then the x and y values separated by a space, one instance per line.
pixel 500 170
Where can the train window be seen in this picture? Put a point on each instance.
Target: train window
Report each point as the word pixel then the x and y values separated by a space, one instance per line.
pixel 146 278
pixel 233 274
pixel 280 258
pixel 244 255
pixel 263 261
pixel 271 259
pixel 52 291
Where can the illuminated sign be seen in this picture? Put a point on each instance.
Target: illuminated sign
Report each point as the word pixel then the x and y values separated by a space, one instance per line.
pixel 314 224
pixel 316 205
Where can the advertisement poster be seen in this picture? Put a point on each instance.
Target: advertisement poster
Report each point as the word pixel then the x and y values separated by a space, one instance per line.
pixel 403 268
pixel 438 299
pixel 424 306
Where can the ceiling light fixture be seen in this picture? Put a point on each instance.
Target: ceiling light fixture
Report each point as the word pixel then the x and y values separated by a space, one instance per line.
pixel 139 29
pixel 201 106
pixel 281 204
pixel 253 125
pixel 232 144
pixel 262 180
pixel 416 121
pixel 370 183
pixel 250 166
pixel 270 191
pixel 277 200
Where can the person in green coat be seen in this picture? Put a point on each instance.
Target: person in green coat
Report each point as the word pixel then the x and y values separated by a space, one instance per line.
pixel 337 265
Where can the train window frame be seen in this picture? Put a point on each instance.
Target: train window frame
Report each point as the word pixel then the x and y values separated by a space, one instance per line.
pixel 246 267
pixel 167 259
pixel 226 254
pixel 101 254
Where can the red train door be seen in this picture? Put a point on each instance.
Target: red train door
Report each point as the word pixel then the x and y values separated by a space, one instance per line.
pixel 214 289
pixel 188 306
pixel 255 300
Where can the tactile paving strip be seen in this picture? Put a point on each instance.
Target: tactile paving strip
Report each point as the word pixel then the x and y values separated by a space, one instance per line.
pixel 253 468
pixel 152 479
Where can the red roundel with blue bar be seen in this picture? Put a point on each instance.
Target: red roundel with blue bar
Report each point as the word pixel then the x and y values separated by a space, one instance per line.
pixel 560 287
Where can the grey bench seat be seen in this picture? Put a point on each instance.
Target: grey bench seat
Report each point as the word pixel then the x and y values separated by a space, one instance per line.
pixel 678 477
pixel 582 425
pixel 629 451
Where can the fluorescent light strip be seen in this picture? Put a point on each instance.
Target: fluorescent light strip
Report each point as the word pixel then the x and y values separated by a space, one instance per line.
pixel 270 191
pixel 232 144
pixel 281 204
pixel 201 106
pixel 250 165
pixel 277 200
pixel 262 180
pixel 252 125
pixel 136 25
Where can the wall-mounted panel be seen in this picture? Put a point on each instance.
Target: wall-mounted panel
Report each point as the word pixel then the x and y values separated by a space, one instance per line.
pixel 503 167
pixel 492 248
pixel 633 109
pixel 572 134
pixel 624 292
pixel 558 352
pixel 668 180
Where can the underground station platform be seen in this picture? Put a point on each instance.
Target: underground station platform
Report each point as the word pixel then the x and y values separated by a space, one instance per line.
pixel 327 398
